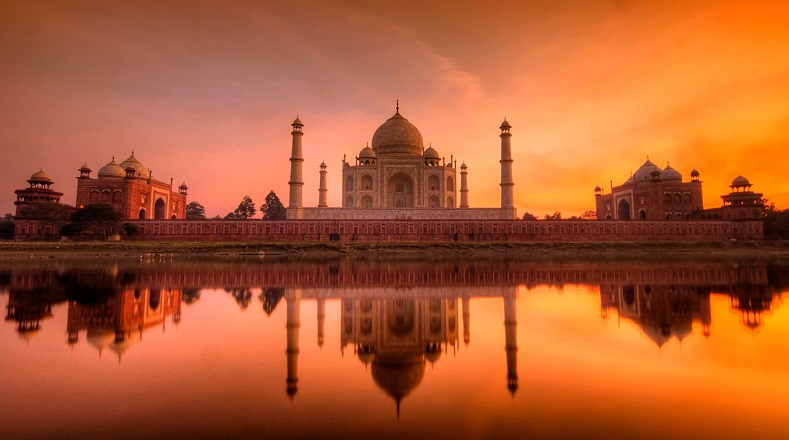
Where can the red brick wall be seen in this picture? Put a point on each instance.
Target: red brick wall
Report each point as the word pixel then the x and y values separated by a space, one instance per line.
pixel 448 230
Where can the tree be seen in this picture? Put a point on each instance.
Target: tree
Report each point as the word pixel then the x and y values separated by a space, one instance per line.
pixel 97 218
pixel 555 216
pixel 589 215
pixel 245 210
pixel 195 211
pixel 776 222
pixel 272 209
pixel 529 217
pixel 50 214
pixel 7 227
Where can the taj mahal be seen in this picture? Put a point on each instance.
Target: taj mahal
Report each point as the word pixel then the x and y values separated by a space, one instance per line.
pixel 397 178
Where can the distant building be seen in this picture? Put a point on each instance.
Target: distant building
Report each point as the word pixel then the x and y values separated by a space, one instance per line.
pixel 39 190
pixel 652 193
pixel 131 189
pixel 740 204
pixel 396 177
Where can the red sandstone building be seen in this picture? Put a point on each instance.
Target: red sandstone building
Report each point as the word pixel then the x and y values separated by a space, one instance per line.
pixel 131 189
pixel 652 193
pixel 39 191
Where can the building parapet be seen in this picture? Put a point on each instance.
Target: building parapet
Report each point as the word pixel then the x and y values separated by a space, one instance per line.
pixel 426 230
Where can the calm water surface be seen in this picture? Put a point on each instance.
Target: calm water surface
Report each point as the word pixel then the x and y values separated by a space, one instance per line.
pixel 152 348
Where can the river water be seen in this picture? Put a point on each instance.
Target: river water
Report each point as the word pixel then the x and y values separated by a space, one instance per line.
pixel 162 347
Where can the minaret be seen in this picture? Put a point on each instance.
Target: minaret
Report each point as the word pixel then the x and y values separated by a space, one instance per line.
pixel 295 210
pixel 511 340
pixel 507 203
pixel 321 319
pixel 466 319
pixel 293 300
pixel 463 185
pixel 322 188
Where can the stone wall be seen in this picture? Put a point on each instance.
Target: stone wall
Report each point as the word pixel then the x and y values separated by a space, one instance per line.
pixel 406 214
pixel 373 231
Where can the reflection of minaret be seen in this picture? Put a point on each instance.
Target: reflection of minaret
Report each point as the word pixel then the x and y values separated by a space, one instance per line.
pixel 321 319
pixel 466 319
pixel 511 341
pixel 293 300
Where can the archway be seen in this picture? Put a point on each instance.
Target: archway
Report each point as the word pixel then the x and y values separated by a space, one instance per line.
pixel 367 202
pixel 367 182
pixel 450 202
pixel 624 210
pixel 450 184
pixel 400 191
pixel 642 215
pixel 159 209
pixel 434 202
pixel 433 183
pixel 142 214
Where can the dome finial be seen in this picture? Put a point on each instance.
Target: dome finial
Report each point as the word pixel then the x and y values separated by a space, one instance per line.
pixel 397 107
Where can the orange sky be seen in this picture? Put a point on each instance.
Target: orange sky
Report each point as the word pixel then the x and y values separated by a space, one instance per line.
pixel 205 93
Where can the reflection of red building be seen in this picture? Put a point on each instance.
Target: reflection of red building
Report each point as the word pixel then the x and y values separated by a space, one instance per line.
pixel 661 311
pixel 131 189
pixel 120 321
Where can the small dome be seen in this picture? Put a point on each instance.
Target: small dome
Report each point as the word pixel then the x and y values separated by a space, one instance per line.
pixel 132 161
pixel 505 124
pixel 645 171
pixel 112 169
pixel 740 181
pixel 463 166
pixel 85 168
pixel 431 153
pixel 695 173
pixel 183 186
pixel 131 169
pixel 323 164
pixel 399 137
pixel 597 188
pixel 367 153
pixel 297 121
pixel 670 174
pixel 40 176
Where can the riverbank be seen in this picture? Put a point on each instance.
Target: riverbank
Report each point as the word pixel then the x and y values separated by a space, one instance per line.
pixel 65 249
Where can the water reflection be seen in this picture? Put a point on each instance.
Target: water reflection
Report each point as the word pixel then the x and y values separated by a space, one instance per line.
pixel 400 319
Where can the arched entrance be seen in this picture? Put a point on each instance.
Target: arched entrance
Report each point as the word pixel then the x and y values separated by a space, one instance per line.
pixel 158 209
pixel 400 191
pixel 142 214
pixel 624 210
pixel 434 202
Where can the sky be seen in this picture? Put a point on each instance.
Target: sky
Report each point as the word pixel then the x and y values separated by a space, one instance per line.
pixel 204 92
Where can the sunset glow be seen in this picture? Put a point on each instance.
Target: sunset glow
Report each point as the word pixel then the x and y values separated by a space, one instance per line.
pixel 205 93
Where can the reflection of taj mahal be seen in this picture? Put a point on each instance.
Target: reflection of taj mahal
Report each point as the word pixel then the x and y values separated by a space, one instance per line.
pixel 398 178
pixel 396 336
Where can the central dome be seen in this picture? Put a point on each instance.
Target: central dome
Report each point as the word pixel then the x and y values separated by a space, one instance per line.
pixel 398 137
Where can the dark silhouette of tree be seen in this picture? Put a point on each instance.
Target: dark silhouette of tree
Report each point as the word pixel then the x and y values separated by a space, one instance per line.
pixel 589 215
pixel 7 227
pixel 195 211
pixel 529 217
pixel 243 297
pixel 96 219
pixel 270 297
pixel 272 209
pixel 555 216
pixel 245 210
pixel 776 222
